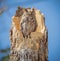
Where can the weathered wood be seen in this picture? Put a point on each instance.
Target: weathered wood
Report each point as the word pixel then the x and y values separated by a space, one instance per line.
pixel 33 48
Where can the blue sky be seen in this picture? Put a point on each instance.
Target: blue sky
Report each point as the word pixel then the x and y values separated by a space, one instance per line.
pixel 51 11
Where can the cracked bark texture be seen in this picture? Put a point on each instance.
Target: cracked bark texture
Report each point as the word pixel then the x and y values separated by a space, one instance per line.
pixel 33 48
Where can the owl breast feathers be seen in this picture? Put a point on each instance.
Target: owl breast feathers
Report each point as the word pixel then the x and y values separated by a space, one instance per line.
pixel 28 23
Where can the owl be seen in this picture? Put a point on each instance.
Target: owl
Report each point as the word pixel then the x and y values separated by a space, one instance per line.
pixel 28 24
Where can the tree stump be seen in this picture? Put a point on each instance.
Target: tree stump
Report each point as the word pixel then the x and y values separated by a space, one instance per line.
pixel 29 36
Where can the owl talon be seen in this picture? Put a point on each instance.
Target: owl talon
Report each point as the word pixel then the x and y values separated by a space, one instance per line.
pixel 29 36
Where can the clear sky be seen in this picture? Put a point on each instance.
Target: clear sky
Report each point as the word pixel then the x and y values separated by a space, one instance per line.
pixel 51 11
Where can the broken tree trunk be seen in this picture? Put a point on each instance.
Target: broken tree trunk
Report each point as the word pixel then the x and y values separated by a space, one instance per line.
pixel 28 44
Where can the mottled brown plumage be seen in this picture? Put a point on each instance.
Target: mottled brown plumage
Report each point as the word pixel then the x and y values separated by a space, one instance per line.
pixel 28 23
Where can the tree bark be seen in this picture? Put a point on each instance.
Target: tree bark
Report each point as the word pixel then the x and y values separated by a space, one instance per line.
pixel 33 48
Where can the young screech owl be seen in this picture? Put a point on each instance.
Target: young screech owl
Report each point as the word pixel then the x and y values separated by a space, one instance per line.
pixel 28 23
